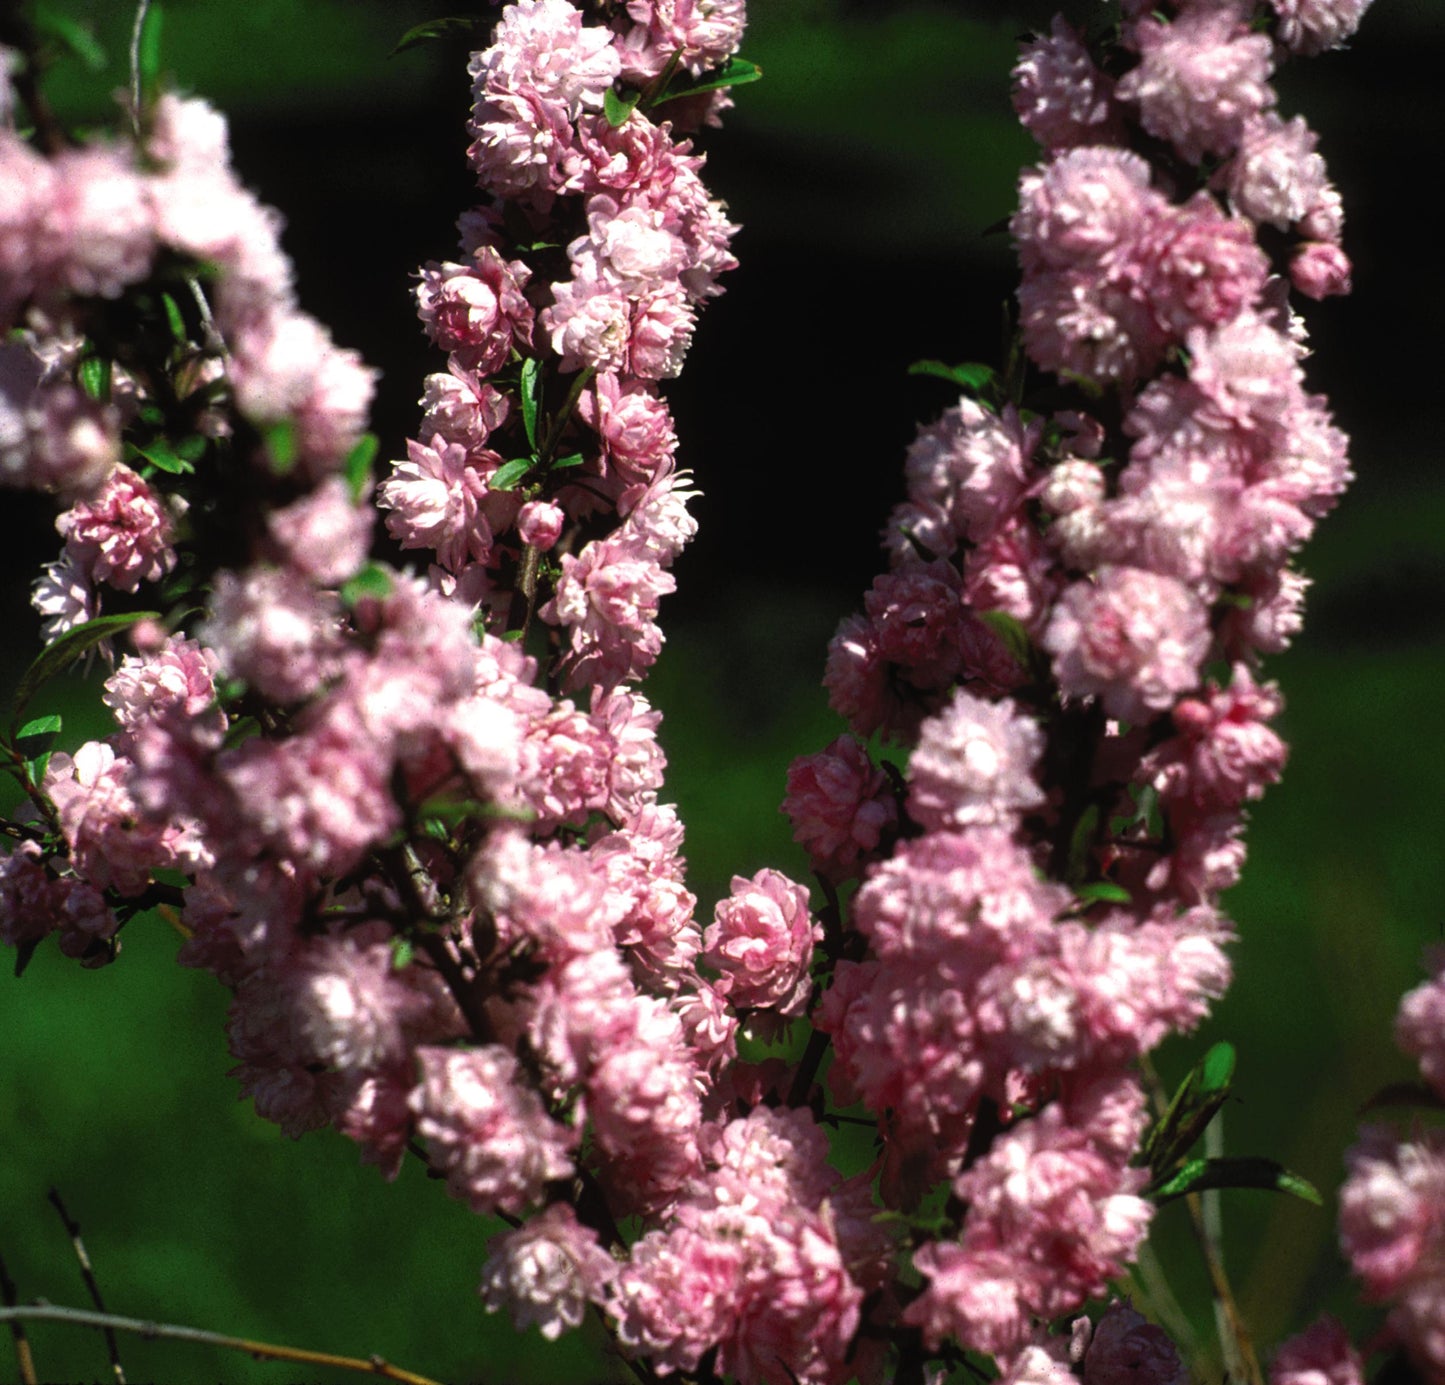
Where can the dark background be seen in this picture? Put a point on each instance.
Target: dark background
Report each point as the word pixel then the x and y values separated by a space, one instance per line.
pixel 864 169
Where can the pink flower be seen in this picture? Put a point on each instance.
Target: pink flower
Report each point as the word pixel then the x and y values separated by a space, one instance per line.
pixel 98 225
pixel 1135 639
pixel 547 1272
pixel 1320 1355
pixel 478 310
pixel 973 764
pixel 1420 1023
pixel 762 940
pixel 546 47
pixel 1127 1349
pixel 1060 96
pixel 840 805
pixel 486 1130
pixel 1276 175
pixel 1199 78
pixel 1311 26
pixel 122 536
pixel 438 499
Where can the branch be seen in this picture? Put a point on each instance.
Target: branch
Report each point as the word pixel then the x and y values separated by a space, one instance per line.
pixel 72 1229
pixel 261 1351
pixel 24 1362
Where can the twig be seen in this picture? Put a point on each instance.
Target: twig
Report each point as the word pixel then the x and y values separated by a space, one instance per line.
pixel 24 1362
pixel 262 1351
pixel 137 29
pixel 72 1229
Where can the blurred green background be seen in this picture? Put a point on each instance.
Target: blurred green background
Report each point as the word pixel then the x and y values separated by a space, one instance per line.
pixel 865 169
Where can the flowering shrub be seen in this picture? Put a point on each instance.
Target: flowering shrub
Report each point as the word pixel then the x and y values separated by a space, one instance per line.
pixel 409 810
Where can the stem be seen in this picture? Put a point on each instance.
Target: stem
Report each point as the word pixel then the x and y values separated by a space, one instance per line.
pixel 24 1361
pixel 808 1068
pixel 261 1351
pixel 72 1229
pixel 563 416
pixel 137 29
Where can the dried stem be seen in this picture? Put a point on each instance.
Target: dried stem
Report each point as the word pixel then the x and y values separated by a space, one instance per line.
pixel 24 1362
pixel 262 1351
pixel 92 1286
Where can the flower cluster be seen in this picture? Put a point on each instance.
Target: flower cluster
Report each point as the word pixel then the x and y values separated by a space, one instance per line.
pixel 417 816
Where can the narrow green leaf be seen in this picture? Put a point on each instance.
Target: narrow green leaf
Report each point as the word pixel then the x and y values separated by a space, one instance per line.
pixel 94 376
pixel 1012 633
pixel 736 74
pixel 161 455
pixel 618 109
pixel 175 319
pixel 192 448
pixel 1190 1109
pixel 74 644
pixel 70 36
pixel 971 376
pixel 372 580
pixel 506 476
pixel 531 388
pixel 1081 842
pixel 282 444
pixel 1241 1171
pixel 571 459
pixel 433 29
pixel 402 951
pixel 1103 890
pixel 34 741
pixel 358 465
pixel 149 51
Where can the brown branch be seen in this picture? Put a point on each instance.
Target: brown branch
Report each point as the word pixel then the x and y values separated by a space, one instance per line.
pixel 261 1351
pixel 92 1286
pixel 24 1362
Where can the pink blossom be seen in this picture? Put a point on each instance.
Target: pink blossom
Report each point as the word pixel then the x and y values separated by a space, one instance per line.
pixel 1320 270
pixel 487 1131
pixel 761 939
pixel 478 310
pixel 1392 1208
pixel 326 534
pixel 64 598
pixel 1312 26
pixel 973 765
pixel 176 681
pixel 461 408
pixel 705 32
pixel 438 498
pixel 1199 78
pixel 840 806
pixel 540 523
pixel 547 1272
pixel 634 425
pixel 519 139
pixel 53 437
pixel 122 536
pixel 1133 638
pixel 1420 1023
pixel 1127 1349
pixel 1320 1355
pixel 546 47
pixel 1059 95
pixel 98 225
pixel 1276 175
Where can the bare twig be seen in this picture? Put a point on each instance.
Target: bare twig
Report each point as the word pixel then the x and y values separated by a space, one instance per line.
pixel 262 1351
pixel 137 30
pixel 92 1286
pixel 24 1362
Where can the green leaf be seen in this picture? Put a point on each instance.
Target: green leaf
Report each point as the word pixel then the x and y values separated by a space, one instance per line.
pixel 1081 841
pixel 402 951
pixel 70 36
pixel 94 376
pixel 1242 1171
pixel 193 447
pixel 1190 1110
pixel 372 580
pixel 531 388
pixel 737 73
pixel 571 459
pixel 358 465
pixel 1103 890
pixel 971 376
pixel 149 55
pixel 161 455
pixel 618 109
pixel 1012 633
pixel 74 644
pixel 34 741
pixel 283 445
pixel 175 319
pixel 432 29
pixel 506 476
